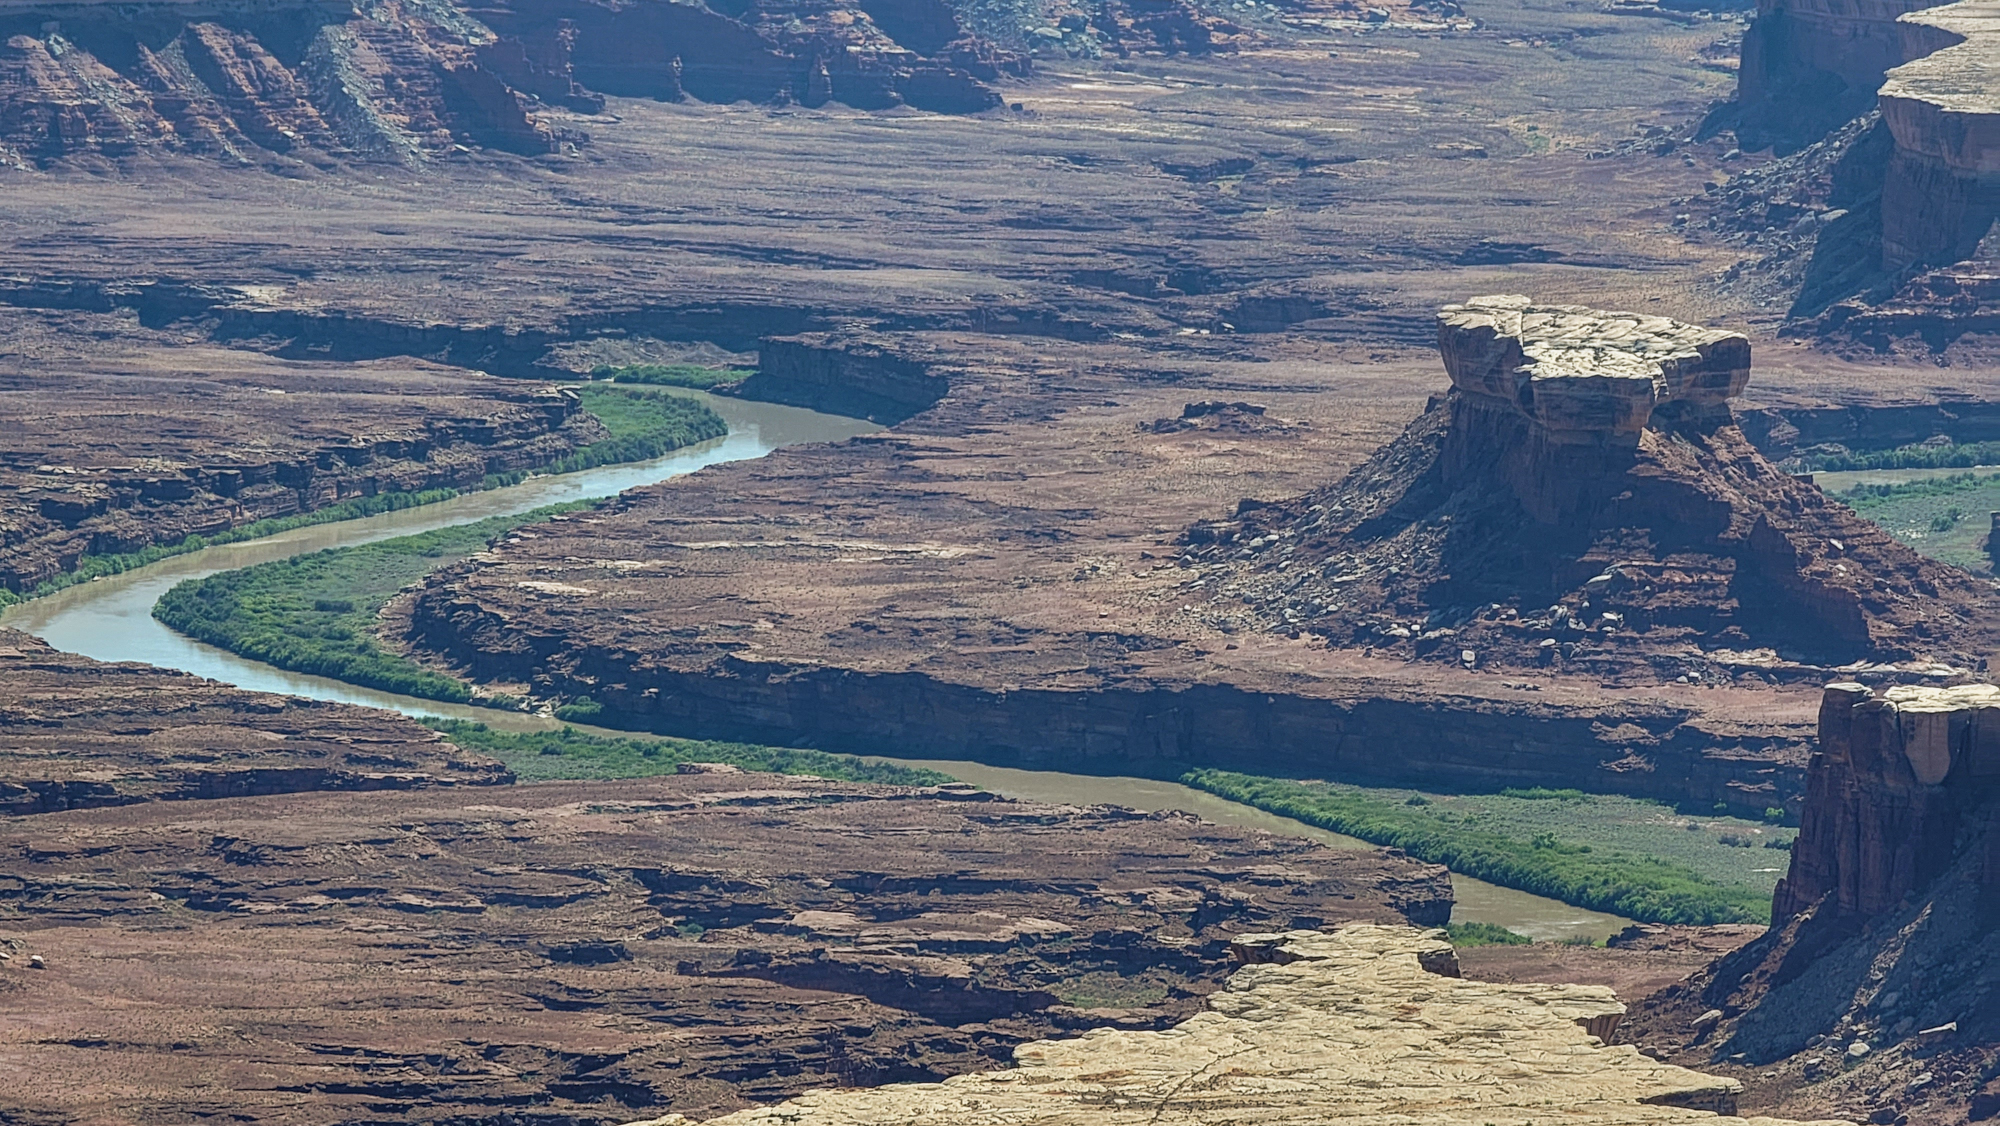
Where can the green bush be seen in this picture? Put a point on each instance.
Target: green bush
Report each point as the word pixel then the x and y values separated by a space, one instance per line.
pixel 316 613
pixel 1638 887
pixel 583 710
pixel 1484 934
pixel 569 753
pixel 1919 456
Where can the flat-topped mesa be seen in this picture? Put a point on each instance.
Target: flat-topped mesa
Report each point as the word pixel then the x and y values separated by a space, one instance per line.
pixel 1897 779
pixel 1584 375
pixel 1942 190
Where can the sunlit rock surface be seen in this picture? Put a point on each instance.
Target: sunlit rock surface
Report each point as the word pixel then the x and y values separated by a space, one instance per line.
pixel 1576 370
pixel 1942 191
pixel 1343 1027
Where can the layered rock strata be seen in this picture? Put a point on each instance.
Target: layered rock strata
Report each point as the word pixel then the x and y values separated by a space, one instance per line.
pixel 1877 991
pixel 404 82
pixel 105 463
pixel 1897 779
pixel 590 953
pixel 1582 376
pixel 1583 498
pixel 1809 65
pixel 1942 190
pixel 77 733
pixel 1366 1024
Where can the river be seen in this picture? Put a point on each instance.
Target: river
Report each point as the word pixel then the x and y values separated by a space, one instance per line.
pixel 111 619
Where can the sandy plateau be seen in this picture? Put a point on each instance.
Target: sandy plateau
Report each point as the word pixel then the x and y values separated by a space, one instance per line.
pixel 1175 473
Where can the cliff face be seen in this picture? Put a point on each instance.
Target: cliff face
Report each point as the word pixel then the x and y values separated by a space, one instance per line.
pixel 1942 192
pixel 68 488
pixel 389 80
pixel 381 81
pixel 1809 65
pixel 1878 988
pixel 1898 779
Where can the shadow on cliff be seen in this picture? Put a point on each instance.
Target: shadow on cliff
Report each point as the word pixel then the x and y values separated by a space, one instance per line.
pixel 1880 962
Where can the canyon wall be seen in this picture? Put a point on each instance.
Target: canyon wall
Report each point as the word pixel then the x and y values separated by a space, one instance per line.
pixel 1897 783
pixel 64 494
pixel 315 81
pixel 1942 191
pixel 1809 65
pixel 1877 987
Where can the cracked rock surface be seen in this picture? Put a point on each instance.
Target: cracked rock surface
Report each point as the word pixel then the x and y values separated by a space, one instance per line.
pixel 1354 1026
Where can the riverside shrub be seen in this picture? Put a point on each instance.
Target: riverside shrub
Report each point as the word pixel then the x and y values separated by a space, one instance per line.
pixel 569 753
pixel 1638 887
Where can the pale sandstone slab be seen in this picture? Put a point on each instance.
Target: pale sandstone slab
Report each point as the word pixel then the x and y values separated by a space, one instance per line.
pixel 1341 1027
pixel 1585 371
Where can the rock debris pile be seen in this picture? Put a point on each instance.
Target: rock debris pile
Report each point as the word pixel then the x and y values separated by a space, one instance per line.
pixel 1583 499
pixel 1366 1024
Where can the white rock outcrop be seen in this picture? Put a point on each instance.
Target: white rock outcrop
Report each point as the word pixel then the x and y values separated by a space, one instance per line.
pixel 1343 1027
pixel 1586 374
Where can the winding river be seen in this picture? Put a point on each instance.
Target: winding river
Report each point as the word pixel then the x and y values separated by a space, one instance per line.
pixel 111 619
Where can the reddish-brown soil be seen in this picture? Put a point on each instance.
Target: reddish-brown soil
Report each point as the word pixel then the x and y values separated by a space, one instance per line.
pixel 77 733
pixel 117 437
pixel 1638 963
pixel 577 952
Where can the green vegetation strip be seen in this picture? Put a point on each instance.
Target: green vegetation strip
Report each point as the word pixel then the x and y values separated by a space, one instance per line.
pixel 643 425
pixel 1942 517
pixel 1623 882
pixel 1484 934
pixel 1920 456
pixel 97 566
pixel 316 613
pixel 670 375
pixel 544 755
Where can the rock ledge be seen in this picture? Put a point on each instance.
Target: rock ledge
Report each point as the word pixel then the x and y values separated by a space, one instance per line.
pixel 1347 1026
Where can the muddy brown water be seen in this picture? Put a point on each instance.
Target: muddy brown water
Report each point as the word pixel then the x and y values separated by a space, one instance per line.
pixel 111 619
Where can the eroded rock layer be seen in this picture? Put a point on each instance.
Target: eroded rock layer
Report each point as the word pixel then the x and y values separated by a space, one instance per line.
pixel 1583 497
pixel 77 733
pixel 1366 1024
pixel 593 952
pixel 113 459
pixel 408 80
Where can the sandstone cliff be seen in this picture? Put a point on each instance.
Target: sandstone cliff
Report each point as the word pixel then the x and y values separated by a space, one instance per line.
pixel 1366 1024
pixel 1583 499
pixel 409 80
pixel 1877 991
